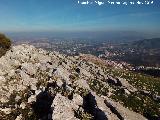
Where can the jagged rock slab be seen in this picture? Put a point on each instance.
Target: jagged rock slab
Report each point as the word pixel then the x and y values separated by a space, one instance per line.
pixel 102 106
pixel 122 112
pixel 63 108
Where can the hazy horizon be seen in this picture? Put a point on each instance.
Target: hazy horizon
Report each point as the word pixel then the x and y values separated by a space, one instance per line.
pixel 101 36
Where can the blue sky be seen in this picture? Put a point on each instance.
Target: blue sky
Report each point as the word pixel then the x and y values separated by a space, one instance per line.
pixel 68 15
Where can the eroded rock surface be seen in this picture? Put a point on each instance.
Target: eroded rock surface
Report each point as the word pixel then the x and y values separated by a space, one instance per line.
pixel 123 113
pixel 37 84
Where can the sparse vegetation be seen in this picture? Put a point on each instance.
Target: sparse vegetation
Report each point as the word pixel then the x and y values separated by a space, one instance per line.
pixel 138 102
pixel 82 115
pixel 138 80
pixel 98 87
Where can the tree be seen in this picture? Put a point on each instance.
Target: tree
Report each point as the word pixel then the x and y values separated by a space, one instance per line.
pixel 5 43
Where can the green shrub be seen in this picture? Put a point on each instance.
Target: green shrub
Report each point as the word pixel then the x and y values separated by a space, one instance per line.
pixel 4 42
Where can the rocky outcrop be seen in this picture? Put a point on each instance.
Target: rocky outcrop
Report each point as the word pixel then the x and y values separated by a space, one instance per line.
pixel 102 106
pixel 36 84
pixel 123 83
pixel 63 108
pixel 123 113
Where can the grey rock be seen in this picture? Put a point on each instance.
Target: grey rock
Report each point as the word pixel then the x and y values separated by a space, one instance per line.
pixel 29 68
pixel 59 83
pixel 19 117
pixel 102 106
pixel 17 98
pixel 63 108
pixel 27 72
pixel 77 99
pixel 32 98
pixel 23 105
pixel 122 112
pixel 6 110
pixel 125 84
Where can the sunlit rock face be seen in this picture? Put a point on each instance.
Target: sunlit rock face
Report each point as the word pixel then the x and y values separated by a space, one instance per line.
pixel 37 84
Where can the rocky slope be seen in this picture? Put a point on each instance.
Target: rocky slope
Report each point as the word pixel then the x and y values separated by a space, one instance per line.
pixel 37 84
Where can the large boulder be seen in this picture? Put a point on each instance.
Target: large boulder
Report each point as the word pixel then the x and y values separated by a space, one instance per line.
pixel 63 108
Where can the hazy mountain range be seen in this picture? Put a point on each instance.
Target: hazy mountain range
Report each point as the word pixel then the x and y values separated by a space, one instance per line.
pixel 96 36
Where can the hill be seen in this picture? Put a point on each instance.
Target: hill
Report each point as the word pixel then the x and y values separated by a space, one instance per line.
pixel 138 53
pixel 153 43
pixel 146 52
pixel 38 84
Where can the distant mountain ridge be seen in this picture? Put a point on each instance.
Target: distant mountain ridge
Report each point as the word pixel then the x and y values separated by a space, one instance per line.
pixel 153 43
pixel 145 52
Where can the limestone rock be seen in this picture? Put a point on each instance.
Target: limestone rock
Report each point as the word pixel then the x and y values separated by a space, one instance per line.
pixel 6 110
pixel 60 85
pixel 17 98
pixel 63 108
pixel 101 105
pixel 125 84
pixel 31 99
pixel 122 112
pixel 77 99
pixel 29 68
pixel 22 105
pixel 19 117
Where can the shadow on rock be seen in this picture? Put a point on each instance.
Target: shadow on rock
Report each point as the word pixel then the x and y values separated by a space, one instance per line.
pixel 42 106
pixel 90 106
